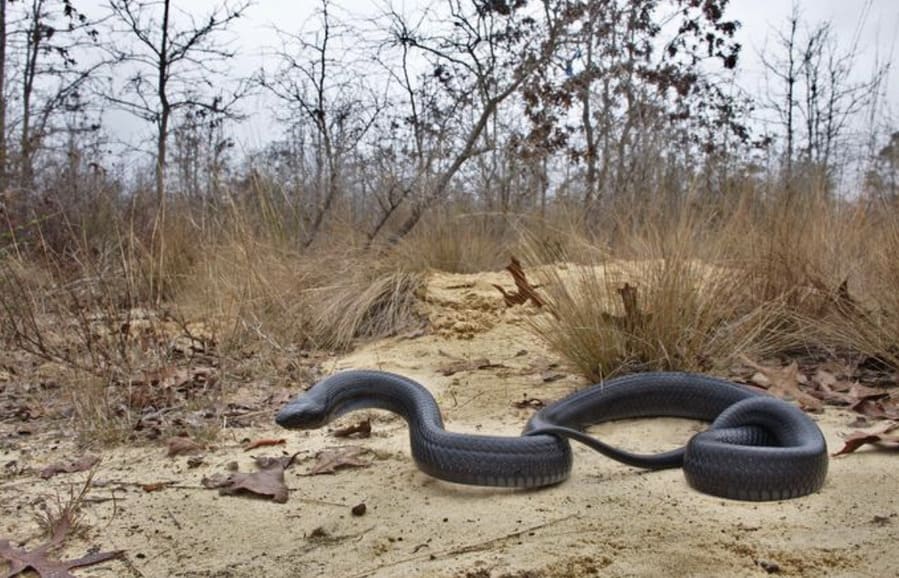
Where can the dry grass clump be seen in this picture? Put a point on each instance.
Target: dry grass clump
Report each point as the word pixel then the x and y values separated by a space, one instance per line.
pixel 800 249
pixel 259 290
pixel 456 244
pixel 94 313
pixel 663 309
pixel 864 318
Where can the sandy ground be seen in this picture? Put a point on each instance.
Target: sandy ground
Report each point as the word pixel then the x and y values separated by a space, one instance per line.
pixel 606 520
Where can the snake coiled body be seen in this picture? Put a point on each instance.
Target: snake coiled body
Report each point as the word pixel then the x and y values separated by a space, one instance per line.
pixel 757 448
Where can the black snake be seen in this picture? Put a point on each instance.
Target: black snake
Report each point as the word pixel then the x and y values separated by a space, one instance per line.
pixel 757 447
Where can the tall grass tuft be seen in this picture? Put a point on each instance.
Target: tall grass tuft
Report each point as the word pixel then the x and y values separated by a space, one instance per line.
pixel 676 304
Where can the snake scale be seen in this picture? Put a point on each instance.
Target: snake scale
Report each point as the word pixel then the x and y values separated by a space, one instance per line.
pixel 757 447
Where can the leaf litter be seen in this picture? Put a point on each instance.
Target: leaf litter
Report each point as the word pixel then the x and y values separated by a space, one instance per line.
pixel 784 383
pixel 39 559
pixel 268 481
pixel 81 464
pixel 330 460
pixel 886 433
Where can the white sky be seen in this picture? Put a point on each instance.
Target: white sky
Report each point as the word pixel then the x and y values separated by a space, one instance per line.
pixel 877 32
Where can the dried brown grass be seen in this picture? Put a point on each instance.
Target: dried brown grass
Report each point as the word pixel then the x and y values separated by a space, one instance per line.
pixel 676 303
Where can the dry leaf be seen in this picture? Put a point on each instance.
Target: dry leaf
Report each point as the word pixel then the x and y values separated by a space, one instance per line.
pixel 82 464
pixel 360 430
pixel 859 391
pixel 876 408
pixel 784 383
pixel 38 559
pixel 886 433
pixel 329 461
pixel 268 481
pixel 825 379
pixel 180 446
pixel 263 443
pixel 155 486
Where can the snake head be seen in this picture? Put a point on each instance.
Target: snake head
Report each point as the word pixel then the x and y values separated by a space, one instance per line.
pixel 302 414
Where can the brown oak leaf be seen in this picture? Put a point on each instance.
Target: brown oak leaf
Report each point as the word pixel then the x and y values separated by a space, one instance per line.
pixel 329 461
pixel 784 383
pixel 268 481
pixel 39 561
pixel 885 433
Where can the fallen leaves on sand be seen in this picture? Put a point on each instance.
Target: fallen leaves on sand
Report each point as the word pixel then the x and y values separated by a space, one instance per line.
pixel 161 387
pixel 784 383
pixel 81 464
pixel 263 442
pixel 361 429
pixel 39 559
pixel 182 446
pixel 461 365
pixel 268 481
pixel 330 460
pixel 885 433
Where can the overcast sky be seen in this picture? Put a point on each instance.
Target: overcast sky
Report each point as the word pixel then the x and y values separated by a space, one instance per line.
pixel 876 30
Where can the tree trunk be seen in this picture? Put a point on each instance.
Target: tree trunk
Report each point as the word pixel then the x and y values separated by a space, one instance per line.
pixel 165 112
pixel 161 150
pixel 590 194
pixel 26 146
pixel 3 175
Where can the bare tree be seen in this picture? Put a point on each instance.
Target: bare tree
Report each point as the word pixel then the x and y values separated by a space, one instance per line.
pixel 3 155
pixel 477 55
pixel 56 35
pixel 785 69
pixel 818 91
pixel 335 102
pixel 172 68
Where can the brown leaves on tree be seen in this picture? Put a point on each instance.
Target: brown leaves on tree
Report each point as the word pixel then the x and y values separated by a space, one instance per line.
pixel 39 559
pixel 886 433
pixel 81 464
pixel 268 481
pixel 330 460
pixel 526 292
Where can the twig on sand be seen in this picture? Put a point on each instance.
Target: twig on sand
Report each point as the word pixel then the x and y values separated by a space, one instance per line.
pixel 468 548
